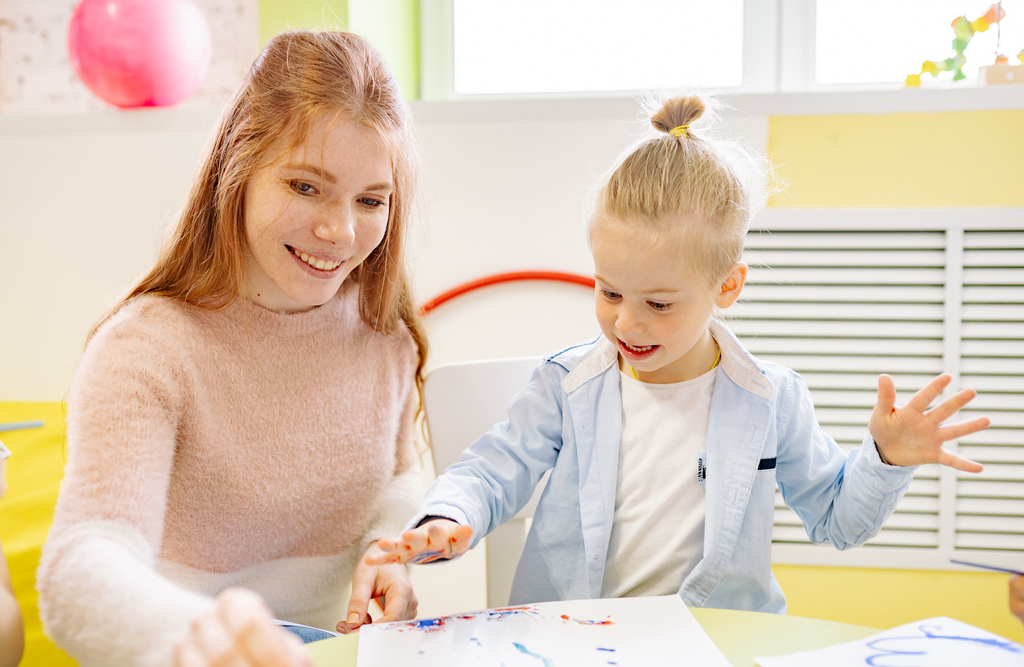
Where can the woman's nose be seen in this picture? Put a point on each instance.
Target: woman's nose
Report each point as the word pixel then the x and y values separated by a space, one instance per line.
pixel 337 226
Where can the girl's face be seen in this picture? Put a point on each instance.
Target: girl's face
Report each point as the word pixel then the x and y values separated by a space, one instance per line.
pixel 314 213
pixel 652 305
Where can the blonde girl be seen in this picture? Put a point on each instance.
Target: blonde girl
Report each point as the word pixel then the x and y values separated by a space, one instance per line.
pixel 240 426
pixel 665 438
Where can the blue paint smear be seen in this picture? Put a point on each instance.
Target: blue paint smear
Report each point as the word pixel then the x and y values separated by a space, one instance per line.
pixel 607 649
pixel 522 649
pixel 930 632
pixel 425 623
pixel 425 556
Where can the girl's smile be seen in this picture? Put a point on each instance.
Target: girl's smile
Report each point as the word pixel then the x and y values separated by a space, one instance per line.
pixel 652 303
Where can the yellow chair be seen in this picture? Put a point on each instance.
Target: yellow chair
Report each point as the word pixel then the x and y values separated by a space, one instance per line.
pixel 34 472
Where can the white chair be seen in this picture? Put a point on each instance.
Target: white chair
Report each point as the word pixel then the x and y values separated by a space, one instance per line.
pixel 463 401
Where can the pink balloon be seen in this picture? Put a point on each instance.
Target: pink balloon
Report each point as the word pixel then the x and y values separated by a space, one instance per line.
pixel 139 53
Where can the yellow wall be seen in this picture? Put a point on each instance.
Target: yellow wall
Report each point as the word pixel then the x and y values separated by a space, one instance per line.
pixel 965 158
pixel 34 472
pixel 913 160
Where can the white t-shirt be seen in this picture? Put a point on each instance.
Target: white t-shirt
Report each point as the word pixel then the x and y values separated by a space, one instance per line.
pixel 658 529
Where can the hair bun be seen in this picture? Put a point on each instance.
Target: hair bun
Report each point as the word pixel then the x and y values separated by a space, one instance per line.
pixel 678 111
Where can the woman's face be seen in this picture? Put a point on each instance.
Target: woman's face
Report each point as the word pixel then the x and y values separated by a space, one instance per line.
pixel 314 213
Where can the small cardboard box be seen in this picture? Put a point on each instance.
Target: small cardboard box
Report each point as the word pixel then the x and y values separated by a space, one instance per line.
pixel 996 74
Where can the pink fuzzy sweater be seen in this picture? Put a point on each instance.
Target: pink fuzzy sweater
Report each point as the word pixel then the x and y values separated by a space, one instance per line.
pixel 213 449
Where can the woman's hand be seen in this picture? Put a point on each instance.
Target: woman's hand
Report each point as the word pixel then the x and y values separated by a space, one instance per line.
pixel 377 578
pixel 435 540
pixel 913 435
pixel 239 631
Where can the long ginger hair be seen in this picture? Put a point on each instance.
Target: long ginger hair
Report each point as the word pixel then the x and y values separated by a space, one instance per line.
pixel 297 78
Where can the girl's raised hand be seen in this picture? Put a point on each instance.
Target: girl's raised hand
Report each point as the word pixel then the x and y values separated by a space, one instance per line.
pixel 912 435
pixel 435 540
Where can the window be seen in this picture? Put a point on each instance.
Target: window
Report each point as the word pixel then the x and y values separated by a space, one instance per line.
pixel 843 295
pixel 559 47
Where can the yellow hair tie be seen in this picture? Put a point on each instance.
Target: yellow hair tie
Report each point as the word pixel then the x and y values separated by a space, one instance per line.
pixel 680 131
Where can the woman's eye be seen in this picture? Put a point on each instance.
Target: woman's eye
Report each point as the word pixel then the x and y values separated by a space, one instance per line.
pixel 371 202
pixel 659 306
pixel 302 187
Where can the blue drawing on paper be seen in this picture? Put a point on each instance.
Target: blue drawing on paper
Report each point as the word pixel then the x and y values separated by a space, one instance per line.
pixel 893 651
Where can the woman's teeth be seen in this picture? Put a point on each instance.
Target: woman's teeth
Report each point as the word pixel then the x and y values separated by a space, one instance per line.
pixel 321 264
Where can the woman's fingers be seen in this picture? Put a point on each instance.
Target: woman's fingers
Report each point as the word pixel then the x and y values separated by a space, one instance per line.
pixel 363 581
pixel 258 640
pixel 400 601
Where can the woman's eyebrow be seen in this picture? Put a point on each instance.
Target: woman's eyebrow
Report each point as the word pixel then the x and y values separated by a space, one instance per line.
pixel 312 168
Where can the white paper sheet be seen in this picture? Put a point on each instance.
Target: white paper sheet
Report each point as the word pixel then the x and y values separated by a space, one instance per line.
pixel 933 642
pixel 623 632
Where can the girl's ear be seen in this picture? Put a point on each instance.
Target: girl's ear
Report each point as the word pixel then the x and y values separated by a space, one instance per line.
pixel 732 285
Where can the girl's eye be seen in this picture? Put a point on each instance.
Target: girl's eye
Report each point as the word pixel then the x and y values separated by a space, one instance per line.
pixel 302 187
pixel 659 306
pixel 609 295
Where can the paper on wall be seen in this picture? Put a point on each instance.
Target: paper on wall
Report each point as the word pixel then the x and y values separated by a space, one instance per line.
pixel 933 642
pixel 622 632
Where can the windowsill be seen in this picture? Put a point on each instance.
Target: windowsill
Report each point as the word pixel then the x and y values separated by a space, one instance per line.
pixel 901 100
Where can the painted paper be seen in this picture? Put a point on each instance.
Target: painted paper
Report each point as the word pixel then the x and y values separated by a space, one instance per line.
pixel 624 632
pixel 933 642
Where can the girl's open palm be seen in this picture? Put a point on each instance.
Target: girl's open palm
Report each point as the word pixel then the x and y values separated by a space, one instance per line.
pixel 435 540
pixel 912 435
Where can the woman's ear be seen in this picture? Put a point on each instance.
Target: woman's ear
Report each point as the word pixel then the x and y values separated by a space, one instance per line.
pixel 732 285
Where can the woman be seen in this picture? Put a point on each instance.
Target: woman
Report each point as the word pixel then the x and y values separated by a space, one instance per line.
pixel 244 417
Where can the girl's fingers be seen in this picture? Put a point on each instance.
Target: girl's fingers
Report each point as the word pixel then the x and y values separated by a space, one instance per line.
pixel 929 393
pixel 957 462
pixel 954 431
pixel 886 395
pixel 461 538
pixel 952 406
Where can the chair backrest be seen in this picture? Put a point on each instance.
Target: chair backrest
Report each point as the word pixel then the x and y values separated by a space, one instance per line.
pixel 464 400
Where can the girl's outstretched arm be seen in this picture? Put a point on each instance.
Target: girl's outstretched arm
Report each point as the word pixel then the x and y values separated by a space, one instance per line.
pixel 437 539
pixel 912 434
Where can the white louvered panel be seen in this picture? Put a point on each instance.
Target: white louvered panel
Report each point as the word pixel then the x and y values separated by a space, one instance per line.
pixel 990 454
pixel 991 257
pixel 844 293
pixel 990 524
pixel 994 348
pixel 1003 472
pixel 994 330
pixel 825 239
pixel 992 366
pixel 969 487
pixel 864 381
pixel 992 312
pixel 846 257
pixel 987 276
pixel 998 383
pixel 905 538
pixel 845 276
pixel 993 294
pixel 840 308
pixel 872 312
pixel 990 506
pixel 1006 427
pixel 992 541
pixel 834 328
pixel 992 240
pixel 993 401
pixel 871 365
pixel 764 346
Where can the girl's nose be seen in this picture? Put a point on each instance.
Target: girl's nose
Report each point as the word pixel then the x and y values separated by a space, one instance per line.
pixel 627 321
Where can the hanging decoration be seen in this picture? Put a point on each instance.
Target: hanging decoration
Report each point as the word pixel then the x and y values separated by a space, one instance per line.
pixel 139 53
pixel 963 31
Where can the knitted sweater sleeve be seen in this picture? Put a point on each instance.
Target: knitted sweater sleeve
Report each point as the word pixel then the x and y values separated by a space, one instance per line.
pixel 401 499
pixel 100 597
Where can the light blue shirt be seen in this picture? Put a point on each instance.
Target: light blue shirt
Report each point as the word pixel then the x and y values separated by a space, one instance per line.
pixel 568 420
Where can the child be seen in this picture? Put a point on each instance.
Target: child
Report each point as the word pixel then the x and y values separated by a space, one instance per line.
pixel 665 438
pixel 12 631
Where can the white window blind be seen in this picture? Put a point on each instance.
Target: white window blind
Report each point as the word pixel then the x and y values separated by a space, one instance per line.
pixel 842 295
